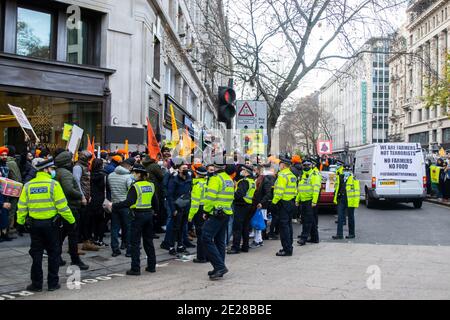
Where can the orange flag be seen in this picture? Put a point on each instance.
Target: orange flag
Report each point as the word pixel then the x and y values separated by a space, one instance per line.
pixel 187 144
pixel 91 149
pixel 152 143
pixel 126 149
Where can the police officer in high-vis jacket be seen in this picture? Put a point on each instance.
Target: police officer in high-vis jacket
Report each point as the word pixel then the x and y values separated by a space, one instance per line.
pixel 40 206
pixel 142 203
pixel 196 211
pixel 243 198
pixel 218 206
pixel 308 196
pixel 284 192
pixel 347 197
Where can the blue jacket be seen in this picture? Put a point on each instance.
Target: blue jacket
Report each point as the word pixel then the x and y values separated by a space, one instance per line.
pixel 111 167
pixel 176 188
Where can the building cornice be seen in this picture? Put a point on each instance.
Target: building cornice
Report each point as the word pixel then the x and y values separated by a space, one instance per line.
pixel 425 15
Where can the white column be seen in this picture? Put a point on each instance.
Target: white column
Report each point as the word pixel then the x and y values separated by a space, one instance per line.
pixel 442 53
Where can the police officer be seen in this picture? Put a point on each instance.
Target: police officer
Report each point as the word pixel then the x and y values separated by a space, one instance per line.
pixel 142 203
pixel 243 198
pixel 285 190
pixel 218 206
pixel 41 203
pixel 196 211
pixel 347 197
pixel 307 198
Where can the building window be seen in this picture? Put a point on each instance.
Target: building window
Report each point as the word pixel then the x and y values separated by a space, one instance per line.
pixel 427 113
pixel 34 33
pixel 2 26
pixel 419 112
pixel 446 135
pixel 83 41
pixel 422 138
pixel 156 59
pixel 409 117
pixel 434 137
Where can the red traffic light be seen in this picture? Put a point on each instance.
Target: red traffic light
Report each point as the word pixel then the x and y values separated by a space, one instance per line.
pixel 226 95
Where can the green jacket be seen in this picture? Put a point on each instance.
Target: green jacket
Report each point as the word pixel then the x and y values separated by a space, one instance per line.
pixel 155 173
pixel 14 171
pixel 65 178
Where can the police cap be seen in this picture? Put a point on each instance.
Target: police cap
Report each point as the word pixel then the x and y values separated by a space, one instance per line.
pixel 139 168
pixel 45 164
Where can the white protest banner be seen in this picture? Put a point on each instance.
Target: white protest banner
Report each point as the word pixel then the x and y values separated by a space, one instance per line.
pixel 22 120
pixel 75 139
pixel 399 161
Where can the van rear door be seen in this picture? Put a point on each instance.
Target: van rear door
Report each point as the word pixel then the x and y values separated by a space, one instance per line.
pixel 411 187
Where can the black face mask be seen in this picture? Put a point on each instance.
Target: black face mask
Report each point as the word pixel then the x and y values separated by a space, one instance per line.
pixel 210 174
pixel 185 172
pixel 307 169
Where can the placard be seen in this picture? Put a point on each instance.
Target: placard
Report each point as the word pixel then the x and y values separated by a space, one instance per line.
pixel 75 139
pixel 399 161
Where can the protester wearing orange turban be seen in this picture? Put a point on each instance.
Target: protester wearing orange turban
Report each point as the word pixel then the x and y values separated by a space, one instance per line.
pixel 3 150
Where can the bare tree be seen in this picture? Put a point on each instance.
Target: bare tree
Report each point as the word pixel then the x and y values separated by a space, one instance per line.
pixel 303 123
pixel 274 44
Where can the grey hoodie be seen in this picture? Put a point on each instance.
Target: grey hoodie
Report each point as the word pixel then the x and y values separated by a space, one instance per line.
pixel 119 182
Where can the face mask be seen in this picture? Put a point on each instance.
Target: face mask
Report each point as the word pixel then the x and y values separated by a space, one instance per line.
pixel 242 173
pixel 306 169
pixel 185 172
pixel 53 174
pixel 210 174
pixel 347 174
pixel 160 163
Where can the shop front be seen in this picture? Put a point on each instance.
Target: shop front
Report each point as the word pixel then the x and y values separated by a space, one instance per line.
pixel 47 114
pixel 51 94
pixel 183 119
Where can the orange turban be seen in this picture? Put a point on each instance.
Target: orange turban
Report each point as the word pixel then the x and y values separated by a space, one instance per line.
pixel 122 151
pixel 117 159
pixel 296 159
pixel 38 153
pixel 4 149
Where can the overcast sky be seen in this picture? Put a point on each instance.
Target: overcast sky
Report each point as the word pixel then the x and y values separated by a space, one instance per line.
pixel 317 78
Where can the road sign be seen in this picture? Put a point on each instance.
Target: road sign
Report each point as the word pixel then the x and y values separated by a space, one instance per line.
pixel 324 147
pixel 246 111
pixel 252 114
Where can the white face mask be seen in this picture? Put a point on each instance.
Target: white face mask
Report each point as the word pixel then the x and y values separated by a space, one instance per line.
pixel 243 173
pixel 160 163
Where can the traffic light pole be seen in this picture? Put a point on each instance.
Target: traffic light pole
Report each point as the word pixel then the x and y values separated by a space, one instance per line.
pixel 228 138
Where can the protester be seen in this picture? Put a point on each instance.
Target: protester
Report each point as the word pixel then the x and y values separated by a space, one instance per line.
pixel 72 192
pixel 14 174
pixel 179 189
pixel 119 182
pixel 5 203
pixel 115 161
pixel 82 176
pixel 96 211
pixel 27 170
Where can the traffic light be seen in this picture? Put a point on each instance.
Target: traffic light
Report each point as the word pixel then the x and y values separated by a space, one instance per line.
pixel 227 110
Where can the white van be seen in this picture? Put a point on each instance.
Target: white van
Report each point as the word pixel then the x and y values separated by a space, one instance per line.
pixel 391 171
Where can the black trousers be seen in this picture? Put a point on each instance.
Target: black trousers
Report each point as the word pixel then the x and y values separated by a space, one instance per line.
pixel 275 224
pixel 310 220
pixel 85 224
pixel 286 210
pixel 241 226
pixel 179 222
pixel 98 223
pixel 142 226
pixel 44 236
pixel 72 235
pixel 198 223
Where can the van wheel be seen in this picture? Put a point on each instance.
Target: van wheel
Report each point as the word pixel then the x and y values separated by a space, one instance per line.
pixel 370 203
pixel 417 204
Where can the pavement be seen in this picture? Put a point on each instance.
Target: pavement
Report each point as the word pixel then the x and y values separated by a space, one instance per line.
pixel 438 201
pixel 15 262
pixel 399 253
